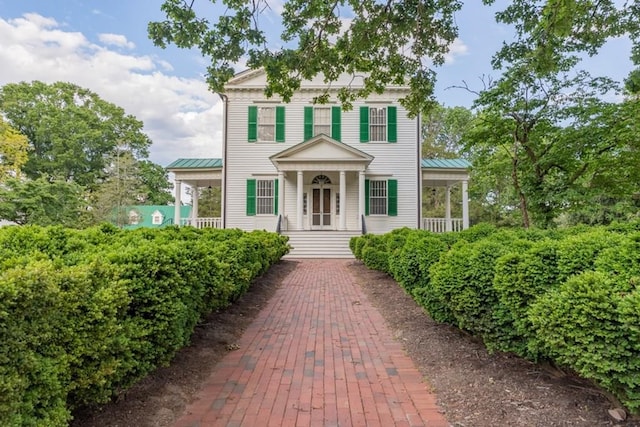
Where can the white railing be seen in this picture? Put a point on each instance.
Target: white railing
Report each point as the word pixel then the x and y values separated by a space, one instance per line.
pixel 441 225
pixel 203 222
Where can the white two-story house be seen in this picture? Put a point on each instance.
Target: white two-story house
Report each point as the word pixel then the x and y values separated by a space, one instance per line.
pixel 317 172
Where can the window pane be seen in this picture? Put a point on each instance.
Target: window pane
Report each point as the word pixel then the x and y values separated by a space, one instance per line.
pixel 264 196
pixel 378 124
pixel 266 123
pixel 322 121
pixel 378 197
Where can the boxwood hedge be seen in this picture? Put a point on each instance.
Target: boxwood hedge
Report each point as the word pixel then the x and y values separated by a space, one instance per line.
pixel 566 296
pixel 86 313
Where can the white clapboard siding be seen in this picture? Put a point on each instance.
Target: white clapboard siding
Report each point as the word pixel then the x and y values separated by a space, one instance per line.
pixel 251 160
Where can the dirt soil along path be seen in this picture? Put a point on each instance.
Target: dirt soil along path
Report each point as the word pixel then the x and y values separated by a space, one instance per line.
pixel 474 388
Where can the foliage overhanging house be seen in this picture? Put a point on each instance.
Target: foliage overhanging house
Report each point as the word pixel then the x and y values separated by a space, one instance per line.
pixel 316 172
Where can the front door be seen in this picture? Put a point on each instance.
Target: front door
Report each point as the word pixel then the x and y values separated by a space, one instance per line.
pixel 321 208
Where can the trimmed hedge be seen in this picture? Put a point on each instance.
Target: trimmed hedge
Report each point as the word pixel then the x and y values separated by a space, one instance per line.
pixel 569 296
pixel 85 314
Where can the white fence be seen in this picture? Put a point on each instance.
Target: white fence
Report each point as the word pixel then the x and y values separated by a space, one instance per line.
pixel 441 225
pixel 203 222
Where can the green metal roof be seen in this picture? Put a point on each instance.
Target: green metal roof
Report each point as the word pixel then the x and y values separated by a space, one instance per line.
pixel 146 212
pixel 445 164
pixel 196 164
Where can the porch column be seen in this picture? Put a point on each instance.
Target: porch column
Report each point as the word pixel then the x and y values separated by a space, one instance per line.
pixel 194 206
pixel 465 205
pixel 343 198
pixel 361 196
pixel 299 192
pixel 447 209
pixel 281 193
pixel 177 202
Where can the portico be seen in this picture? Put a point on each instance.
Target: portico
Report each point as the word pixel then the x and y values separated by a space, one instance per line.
pixel 322 185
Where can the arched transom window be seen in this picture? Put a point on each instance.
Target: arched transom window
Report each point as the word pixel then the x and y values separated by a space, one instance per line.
pixel 321 179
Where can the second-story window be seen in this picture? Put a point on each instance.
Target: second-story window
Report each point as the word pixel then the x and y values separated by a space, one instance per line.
pixel 378 124
pixel 322 120
pixel 266 124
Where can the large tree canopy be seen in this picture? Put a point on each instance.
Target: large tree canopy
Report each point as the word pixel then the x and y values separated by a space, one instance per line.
pixel 71 130
pixel 389 41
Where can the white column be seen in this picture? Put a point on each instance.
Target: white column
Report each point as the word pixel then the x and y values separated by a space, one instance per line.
pixel 361 197
pixel 343 198
pixel 465 205
pixel 299 192
pixel 177 202
pixel 447 209
pixel 281 193
pixel 194 206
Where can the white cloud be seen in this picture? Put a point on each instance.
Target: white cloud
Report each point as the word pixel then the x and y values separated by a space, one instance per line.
pixel 181 116
pixel 457 48
pixel 116 40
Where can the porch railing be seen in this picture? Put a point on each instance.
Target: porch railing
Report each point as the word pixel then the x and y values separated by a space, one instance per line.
pixel 203 222
pixel 441 225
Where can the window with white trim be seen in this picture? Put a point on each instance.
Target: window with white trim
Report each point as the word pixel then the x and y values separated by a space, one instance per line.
pixel 378 197
pixel 134 218
pixel 377 124
pixel 266 123
pixel 156 218
pixel 322 121
pixel 264 196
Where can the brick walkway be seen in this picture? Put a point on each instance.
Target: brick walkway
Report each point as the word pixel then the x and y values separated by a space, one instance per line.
pixel 318 354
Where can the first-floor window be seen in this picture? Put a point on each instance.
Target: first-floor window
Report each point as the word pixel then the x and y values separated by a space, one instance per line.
pixel 264 196
pixel 381 197
pixel 378 197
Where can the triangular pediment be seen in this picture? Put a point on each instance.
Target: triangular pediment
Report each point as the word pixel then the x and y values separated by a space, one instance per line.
pixel 248 78
pixel 322 148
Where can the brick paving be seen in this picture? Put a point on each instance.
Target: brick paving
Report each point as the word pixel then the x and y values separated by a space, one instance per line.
pixel 318 354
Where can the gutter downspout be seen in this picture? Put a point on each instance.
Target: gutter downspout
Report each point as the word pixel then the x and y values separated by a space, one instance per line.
pixel 225 106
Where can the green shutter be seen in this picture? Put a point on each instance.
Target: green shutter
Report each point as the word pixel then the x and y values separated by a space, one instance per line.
pixel 308 123
pixel 366 197
pixel 336 131
pixel 392 120
pixel 364 124
pixel 275 196
pixel 251 197
pixel 253 123
pixel 279 124
pixel 392 196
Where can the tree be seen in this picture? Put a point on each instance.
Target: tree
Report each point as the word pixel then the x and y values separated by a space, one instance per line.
pixel 13 151
pixel 42 202
pixel 128 182
pixel 155 183
pixel 71 130
pixel 548 30
pixel 566 145
pixel 443 130
pixel 390 42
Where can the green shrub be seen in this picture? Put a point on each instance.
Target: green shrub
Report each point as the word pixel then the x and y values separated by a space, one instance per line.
pixel 589 325
pixel 85 314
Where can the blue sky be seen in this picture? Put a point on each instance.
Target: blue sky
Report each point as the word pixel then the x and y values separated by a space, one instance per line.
pixel 103 46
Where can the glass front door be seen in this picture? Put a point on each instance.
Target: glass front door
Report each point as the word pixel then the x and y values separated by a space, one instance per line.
pixel 321 208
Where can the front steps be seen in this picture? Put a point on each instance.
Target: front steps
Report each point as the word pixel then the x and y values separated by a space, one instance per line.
pixel 320 244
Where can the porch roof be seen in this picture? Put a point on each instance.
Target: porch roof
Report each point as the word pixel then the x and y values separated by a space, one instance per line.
pixel 445 164
pixel 210 163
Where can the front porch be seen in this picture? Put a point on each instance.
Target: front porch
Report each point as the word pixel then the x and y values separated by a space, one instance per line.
pixel 447 174
pixel 198 176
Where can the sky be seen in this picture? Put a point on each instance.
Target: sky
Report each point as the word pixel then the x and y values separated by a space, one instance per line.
pixel 102 45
